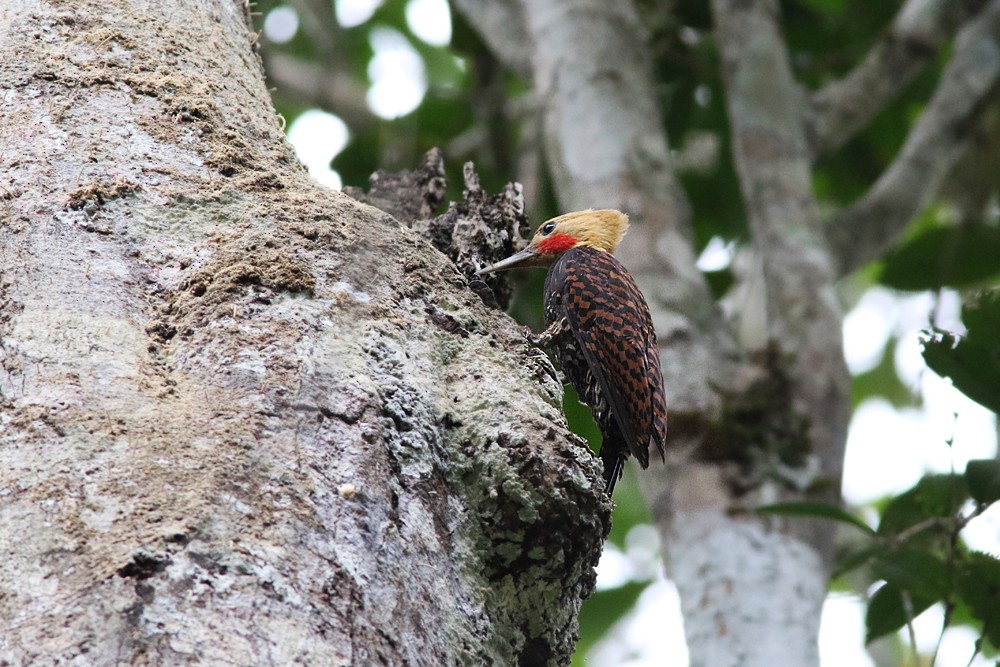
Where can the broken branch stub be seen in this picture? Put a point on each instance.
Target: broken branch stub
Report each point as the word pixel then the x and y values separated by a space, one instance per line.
pixel 478 230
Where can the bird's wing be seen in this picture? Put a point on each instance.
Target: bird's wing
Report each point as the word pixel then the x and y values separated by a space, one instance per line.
pixel 611 323
pixel 659 435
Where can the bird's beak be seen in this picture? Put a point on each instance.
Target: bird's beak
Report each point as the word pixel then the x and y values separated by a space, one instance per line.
pixel 526 257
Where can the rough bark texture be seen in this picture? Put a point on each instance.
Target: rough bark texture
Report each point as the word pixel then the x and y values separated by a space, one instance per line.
pixel 479 230
pixel 245 419
pixel 802 314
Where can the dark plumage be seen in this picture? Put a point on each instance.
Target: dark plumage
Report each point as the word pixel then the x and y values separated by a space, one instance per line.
pixel 600 327
pixel 610 356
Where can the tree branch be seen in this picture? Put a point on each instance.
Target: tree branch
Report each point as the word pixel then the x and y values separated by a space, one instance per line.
pixel 801 316
pixel 500 23
pixel 864 230
pixel 842 107
pixel 331 88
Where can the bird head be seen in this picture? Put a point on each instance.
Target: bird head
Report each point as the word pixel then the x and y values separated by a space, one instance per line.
pixel 602 230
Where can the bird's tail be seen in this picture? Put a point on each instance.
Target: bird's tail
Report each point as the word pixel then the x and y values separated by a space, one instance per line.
pixel 613 468
pixel 613 450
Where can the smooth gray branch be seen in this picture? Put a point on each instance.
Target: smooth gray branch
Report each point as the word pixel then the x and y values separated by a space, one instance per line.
pixel 500 23
pixel 332 88
pixel 864 230
pixel 842 107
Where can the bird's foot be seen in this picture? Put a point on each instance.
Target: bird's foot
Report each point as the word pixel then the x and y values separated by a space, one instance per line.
pixel 554 334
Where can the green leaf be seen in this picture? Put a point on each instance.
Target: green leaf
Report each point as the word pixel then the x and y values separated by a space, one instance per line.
pixel 826 6
pixel 970 367
pixel 989 650
pixel 952 256
pixel 983 477
pixel 852 561
pixel 934 496
pixel 815 510
pixel 978 585
pixel 981 315
pixel 918 571
pixel 887 613
pixel 972 362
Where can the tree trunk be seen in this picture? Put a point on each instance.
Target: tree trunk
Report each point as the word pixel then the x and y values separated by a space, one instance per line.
pixel 246 419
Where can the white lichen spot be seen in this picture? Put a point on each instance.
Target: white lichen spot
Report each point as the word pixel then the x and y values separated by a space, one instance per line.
pixel 251 361
pixel 236 504
pixel 348 289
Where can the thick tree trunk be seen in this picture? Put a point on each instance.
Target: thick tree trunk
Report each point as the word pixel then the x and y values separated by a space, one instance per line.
pixel 245 419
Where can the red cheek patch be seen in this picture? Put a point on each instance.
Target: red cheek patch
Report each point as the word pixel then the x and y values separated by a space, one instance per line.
pixel 556 244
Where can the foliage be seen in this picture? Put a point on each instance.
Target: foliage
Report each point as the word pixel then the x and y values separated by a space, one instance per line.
pixel 971 361
pixel 918 555
pixel 930 259
pixel 917 551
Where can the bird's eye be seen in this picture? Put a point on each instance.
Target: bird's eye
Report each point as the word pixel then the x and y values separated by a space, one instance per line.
pixel 547 228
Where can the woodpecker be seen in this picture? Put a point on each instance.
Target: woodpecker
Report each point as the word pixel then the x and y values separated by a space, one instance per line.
pixel 599 324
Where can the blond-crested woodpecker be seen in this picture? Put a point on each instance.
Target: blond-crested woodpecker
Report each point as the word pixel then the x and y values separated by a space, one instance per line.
pixel 599 324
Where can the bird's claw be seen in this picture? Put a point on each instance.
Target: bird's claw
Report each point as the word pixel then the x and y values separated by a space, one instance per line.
pixel 555 334
pixel 532 337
